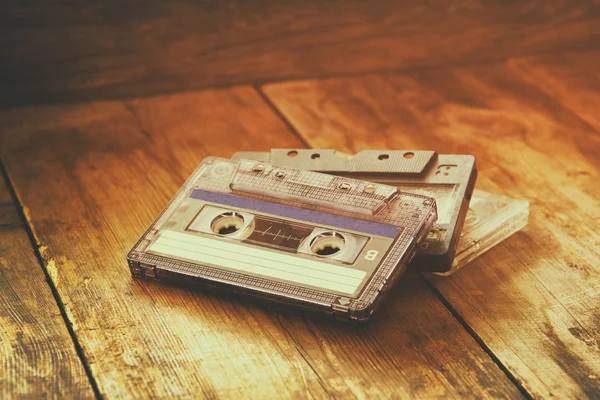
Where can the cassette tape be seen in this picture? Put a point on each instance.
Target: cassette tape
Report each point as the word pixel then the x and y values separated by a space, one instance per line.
pixel 324 242
pixel 491 219
pixel 448 178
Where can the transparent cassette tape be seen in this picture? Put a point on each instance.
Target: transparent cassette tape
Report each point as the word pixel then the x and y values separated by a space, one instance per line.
pixel 491 219
pixel 323 242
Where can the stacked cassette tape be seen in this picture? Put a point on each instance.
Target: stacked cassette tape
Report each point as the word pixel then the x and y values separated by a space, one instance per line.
pixel 320 230
pixel 469 223
pixel 450 179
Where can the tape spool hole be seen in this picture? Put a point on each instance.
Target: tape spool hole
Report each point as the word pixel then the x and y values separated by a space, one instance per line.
pixel 227 223
pixel 327 244
pixel 292 153
pixel 315 156
pixel 383 157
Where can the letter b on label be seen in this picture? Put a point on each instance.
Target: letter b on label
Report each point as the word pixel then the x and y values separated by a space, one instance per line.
pixel 371 255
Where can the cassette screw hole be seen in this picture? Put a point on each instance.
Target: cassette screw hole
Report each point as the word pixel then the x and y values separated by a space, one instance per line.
pixel 315 156
pixel 227 223
pixel 344 186
pixel 258 168
pixel 292 153
pixel 327 244
pixel 409 155
pixel 383 157
pixel 279 174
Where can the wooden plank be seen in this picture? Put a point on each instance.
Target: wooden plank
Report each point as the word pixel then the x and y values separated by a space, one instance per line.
pixel 414 348
pixel 576 89
pixel 67 51
pixel 535 299
pixel 37 354
pixel 5 197
pixel 94 176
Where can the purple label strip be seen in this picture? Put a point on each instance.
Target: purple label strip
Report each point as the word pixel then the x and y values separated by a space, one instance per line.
pixel 317 217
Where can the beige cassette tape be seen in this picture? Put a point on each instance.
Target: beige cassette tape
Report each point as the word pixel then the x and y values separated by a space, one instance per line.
pixel 449 178
pixel 323 242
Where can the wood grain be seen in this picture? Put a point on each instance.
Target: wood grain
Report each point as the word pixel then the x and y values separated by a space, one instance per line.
pixel 414 348
pixel 94 176
pixel 67 51
pixel 532 124
pixel 37 355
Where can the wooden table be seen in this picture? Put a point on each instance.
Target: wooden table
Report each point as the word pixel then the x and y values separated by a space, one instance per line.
pixel 107 108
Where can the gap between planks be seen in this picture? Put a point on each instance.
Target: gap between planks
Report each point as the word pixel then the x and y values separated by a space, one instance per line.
pixel 38 255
